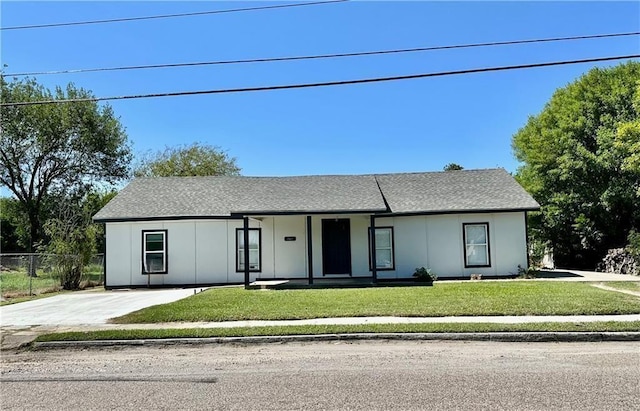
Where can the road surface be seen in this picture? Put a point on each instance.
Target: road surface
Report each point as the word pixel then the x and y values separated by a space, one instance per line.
pixel 412 375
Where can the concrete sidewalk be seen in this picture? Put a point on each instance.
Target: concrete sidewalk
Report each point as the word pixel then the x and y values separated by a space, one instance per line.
pixel 22 323
pixel 16 336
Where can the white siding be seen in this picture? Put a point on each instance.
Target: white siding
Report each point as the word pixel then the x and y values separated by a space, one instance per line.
pixel 211 248
pixel 204 251
pixel 510 242
pixel 290 256
pixel 119 251
pixel 181 247
pixel 410 246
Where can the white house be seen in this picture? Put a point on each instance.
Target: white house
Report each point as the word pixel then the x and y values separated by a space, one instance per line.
pixel 234 230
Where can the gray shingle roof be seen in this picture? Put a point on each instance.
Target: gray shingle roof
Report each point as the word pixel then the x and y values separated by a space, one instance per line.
pixel 467 190
pixel 222 196
pixel 450 191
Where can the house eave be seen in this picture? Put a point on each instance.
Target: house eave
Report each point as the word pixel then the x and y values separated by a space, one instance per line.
pixel 462 211
pixel 240 214
pixel 162 218
pixel 305 212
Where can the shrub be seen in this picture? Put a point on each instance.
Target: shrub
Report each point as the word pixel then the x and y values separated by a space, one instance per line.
pixel 633 245
pixel 425 274
pixel 530 272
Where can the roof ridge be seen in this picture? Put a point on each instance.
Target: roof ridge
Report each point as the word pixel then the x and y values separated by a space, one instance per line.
pixel 324 175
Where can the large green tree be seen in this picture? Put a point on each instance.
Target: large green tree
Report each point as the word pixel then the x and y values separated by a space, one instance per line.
pixel 189 160
pixel 51 152
pixel 12 232
pixel 581 161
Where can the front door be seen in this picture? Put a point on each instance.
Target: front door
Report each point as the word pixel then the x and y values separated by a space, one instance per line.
pixel 336 246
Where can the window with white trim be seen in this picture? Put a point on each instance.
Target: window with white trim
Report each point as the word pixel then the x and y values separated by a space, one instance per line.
pixel 384 248
pixel 154 252
pixel 476 245
pixel 255 256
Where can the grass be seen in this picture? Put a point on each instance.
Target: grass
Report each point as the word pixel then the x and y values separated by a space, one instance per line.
pixel 17 286
pixel 443 299
pixel 338 329
pixel 624 285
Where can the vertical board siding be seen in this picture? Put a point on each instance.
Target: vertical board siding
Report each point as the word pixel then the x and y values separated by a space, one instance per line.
pixel 204 251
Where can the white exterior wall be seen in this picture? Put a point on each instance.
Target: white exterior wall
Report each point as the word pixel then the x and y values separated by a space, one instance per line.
pixel 437 242
pixel 198 252
pixel 204 251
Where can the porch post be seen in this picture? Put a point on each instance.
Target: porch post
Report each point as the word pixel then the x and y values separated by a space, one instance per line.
pixel 246 251
pixel 372 233
pixel 309 250
pixel 526 239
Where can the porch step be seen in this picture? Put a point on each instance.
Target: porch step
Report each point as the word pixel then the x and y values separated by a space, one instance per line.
pixel 266 284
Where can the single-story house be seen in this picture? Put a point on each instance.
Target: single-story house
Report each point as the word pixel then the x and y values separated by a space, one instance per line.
pixel 172 231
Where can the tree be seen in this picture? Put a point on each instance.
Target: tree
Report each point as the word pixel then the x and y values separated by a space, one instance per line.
pixel 72 243
pixel 581 162
pixel 188 160
pixel 93 202
pixel 12 234
pixel 452 167
pixel 61 150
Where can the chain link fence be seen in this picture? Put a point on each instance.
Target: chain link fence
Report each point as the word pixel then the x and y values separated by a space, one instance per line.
pixel 23 275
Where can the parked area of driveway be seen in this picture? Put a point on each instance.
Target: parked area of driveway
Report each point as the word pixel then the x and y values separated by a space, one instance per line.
pixel 561 274
pixel 86 308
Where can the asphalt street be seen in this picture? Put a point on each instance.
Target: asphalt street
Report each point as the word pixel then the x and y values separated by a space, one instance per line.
pixel 405 375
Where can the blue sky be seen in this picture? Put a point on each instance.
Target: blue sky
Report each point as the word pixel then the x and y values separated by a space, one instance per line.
pixel 403 126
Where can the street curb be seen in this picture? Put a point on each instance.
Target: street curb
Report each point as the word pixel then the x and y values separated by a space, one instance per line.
pixel 489 336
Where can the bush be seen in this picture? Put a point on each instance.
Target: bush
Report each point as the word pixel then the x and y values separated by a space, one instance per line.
pixel 72 247
pixel 530 272
pixel 633 245
pixel 425 274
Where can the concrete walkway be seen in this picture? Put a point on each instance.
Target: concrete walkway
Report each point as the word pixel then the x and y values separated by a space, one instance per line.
pixel 16 336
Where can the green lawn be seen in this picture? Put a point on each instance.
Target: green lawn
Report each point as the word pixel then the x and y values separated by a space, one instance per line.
pixel 443 299
pixel 338 329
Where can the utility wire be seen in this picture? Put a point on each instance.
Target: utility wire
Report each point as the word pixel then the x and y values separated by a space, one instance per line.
pixel 325 56
pixel 325 84
pixel 166 16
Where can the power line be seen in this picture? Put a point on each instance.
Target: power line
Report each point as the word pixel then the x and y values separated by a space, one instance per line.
pixel 166 16
pixel 325 84
pixel 324 56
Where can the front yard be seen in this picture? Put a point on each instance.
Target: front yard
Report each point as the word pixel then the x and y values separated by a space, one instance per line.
pixel 443 299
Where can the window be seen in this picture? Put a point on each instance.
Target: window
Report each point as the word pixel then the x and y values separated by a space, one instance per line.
pixel 384 248
pixel 255 255
pixel 476 243
pixel 154 252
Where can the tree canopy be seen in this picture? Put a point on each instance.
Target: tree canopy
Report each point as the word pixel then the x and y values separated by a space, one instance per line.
pixel 452 167
pixel 581 161
pixel 56 152
pixel 188 160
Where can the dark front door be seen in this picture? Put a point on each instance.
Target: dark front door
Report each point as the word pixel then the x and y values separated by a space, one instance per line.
pixel 336 246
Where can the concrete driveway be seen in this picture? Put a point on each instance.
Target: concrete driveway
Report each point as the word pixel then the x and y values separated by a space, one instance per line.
pixel 560 274
pixel 86 308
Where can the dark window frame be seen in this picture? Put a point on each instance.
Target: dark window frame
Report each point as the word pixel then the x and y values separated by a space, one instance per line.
pixel 165 252
pixel 238 269
pixel 393 250
pixel 464 245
